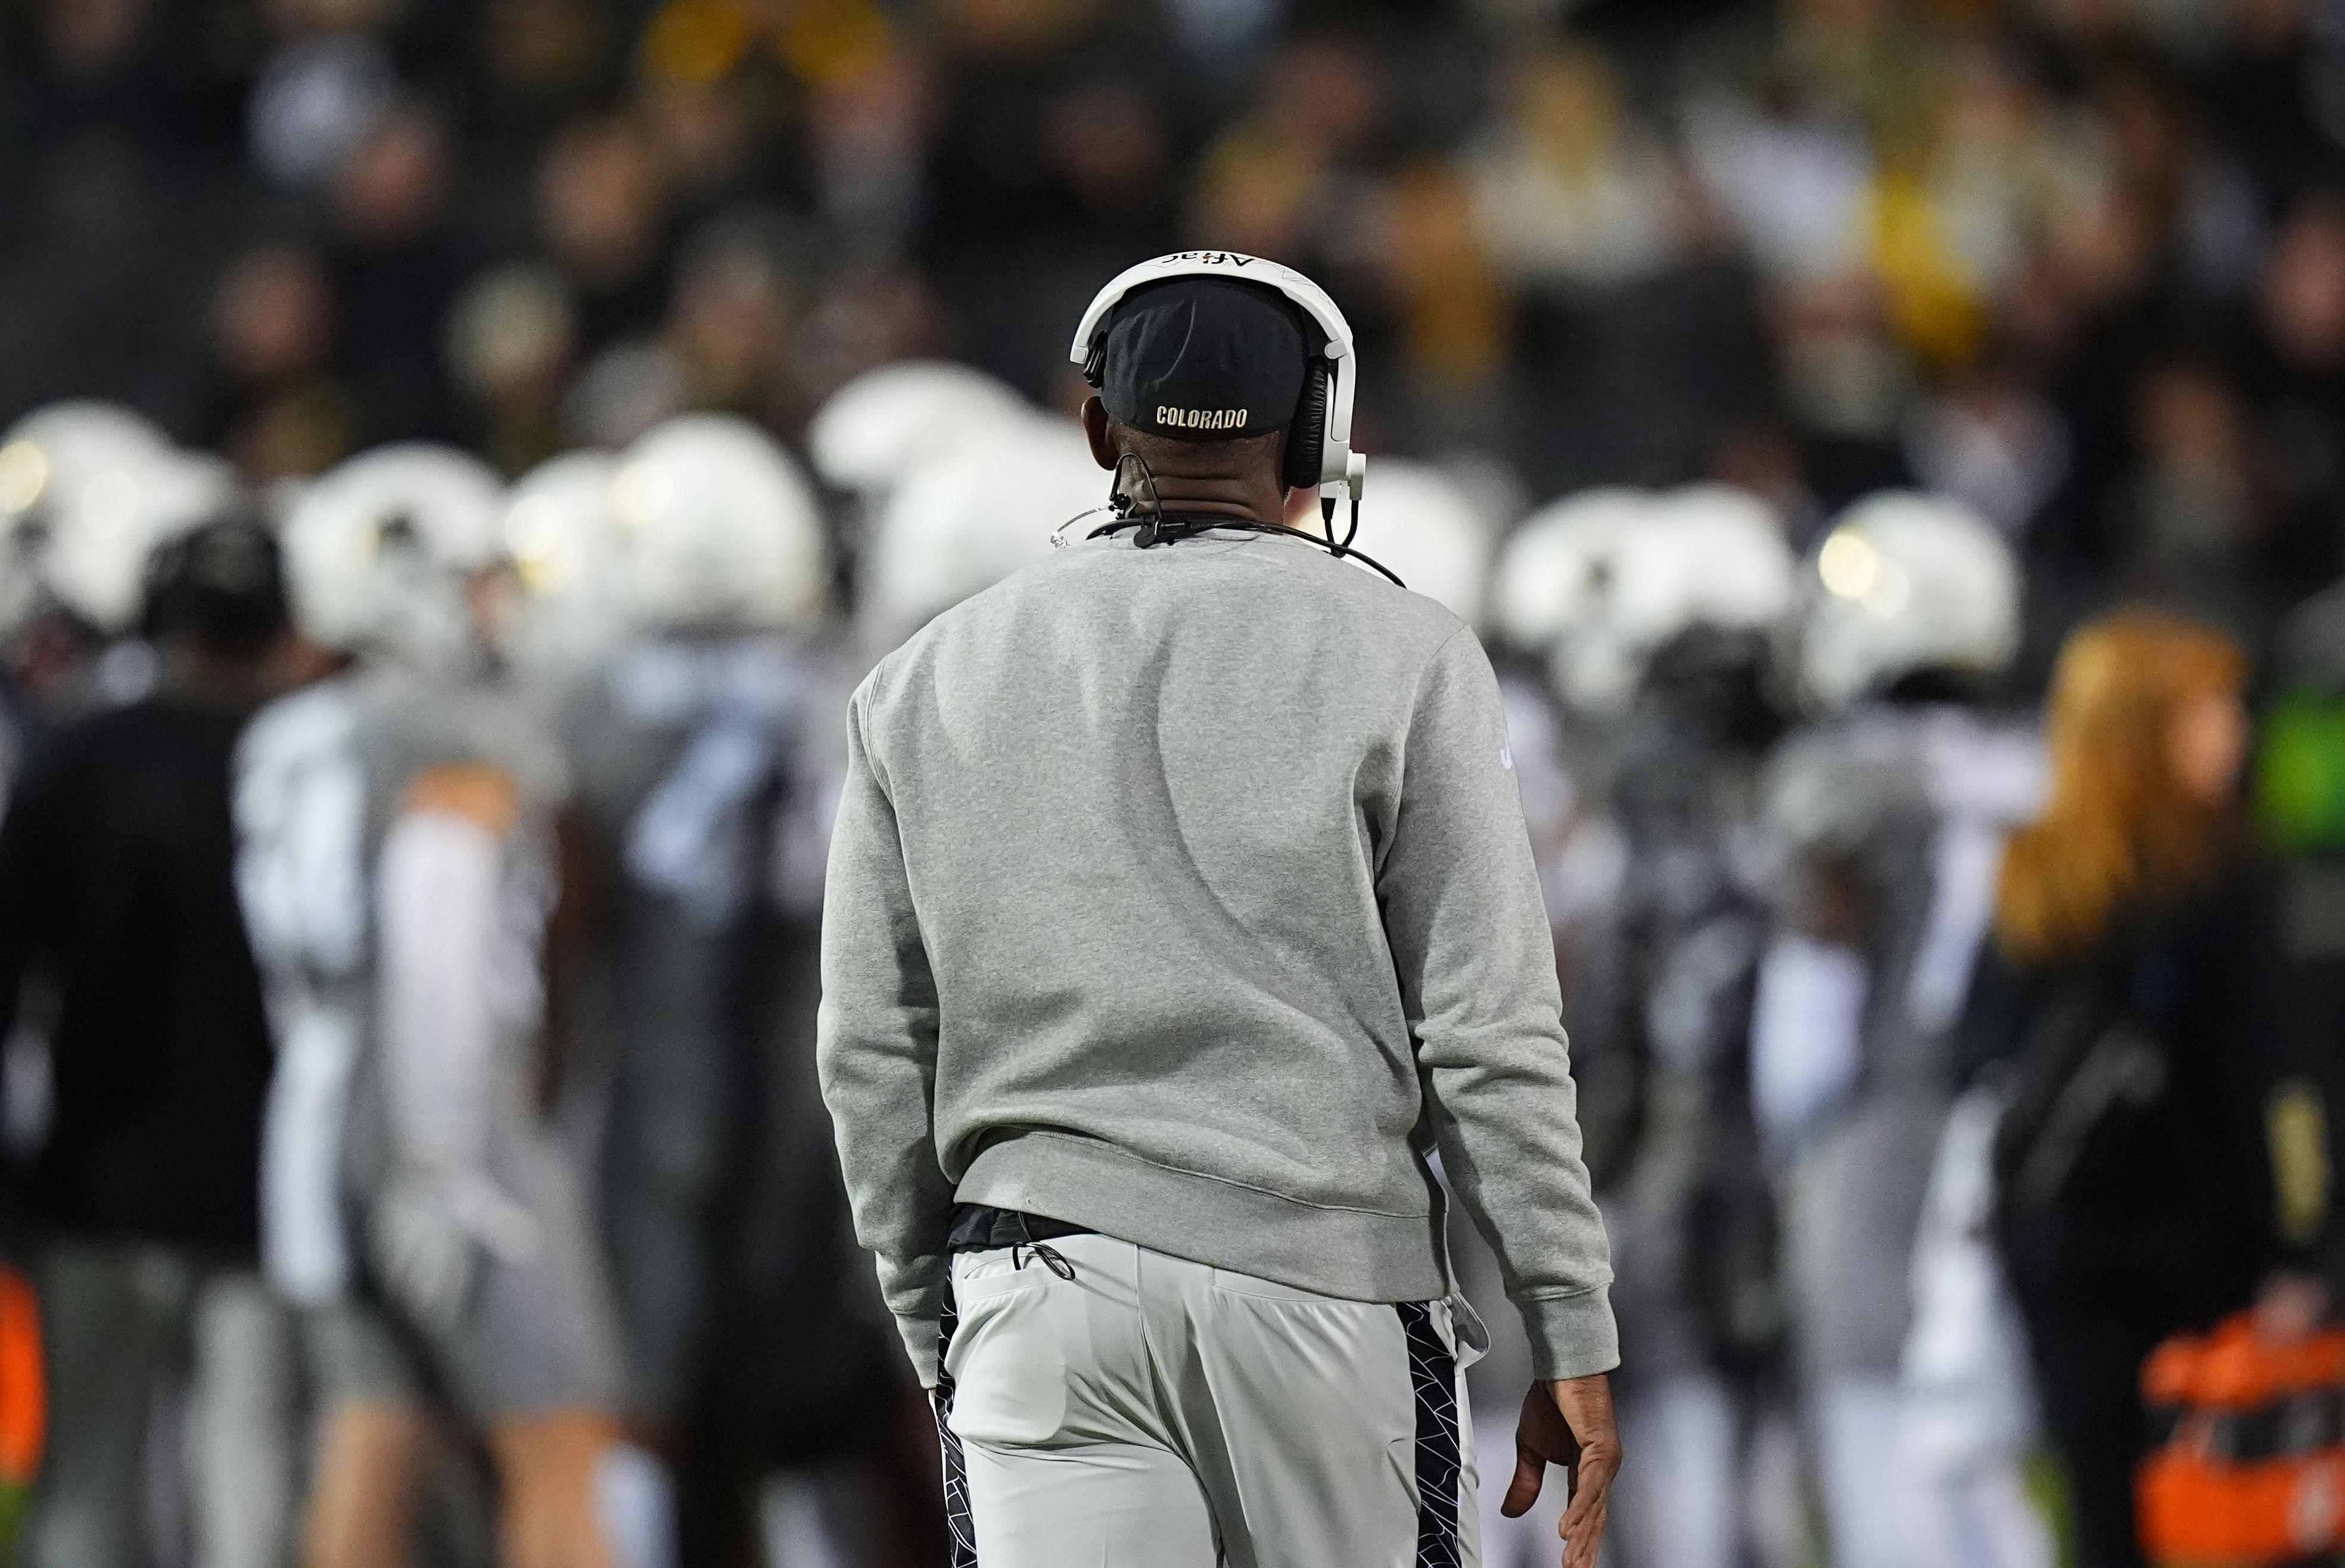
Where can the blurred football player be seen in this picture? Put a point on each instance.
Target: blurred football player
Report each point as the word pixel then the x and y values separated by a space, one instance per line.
pixel 400 873
pixel 1435 534
pixel 101 537
pixel 706 761
pixel 884 425
pixel 1891 804
pixel 1658 612
pixel 62 466
pixel 117 893
pixel 958 523
pixel 560 534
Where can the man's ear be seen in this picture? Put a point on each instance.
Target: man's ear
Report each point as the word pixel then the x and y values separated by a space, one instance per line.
pixel 1303 511
pixel 1095 427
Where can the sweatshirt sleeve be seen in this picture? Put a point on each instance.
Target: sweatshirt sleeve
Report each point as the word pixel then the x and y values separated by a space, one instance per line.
pixel 876 1048
pixel 1476 966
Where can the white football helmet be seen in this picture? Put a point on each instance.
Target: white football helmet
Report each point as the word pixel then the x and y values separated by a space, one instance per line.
pixel 957 526
pixel 562 539
pixel 716 527
pixel 1605 581
pixel 20 576
pixel 54 448
pixel 885 423
pixel 1555 568
pixel 379 553
pixel 48 460
pixel 1905 581
pixel 1433 532
pixel 101 537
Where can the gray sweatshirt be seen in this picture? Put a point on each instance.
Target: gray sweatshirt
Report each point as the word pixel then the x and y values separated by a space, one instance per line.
pixel 1185 894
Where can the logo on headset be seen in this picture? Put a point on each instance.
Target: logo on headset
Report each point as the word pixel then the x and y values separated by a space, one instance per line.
pixel 1174 418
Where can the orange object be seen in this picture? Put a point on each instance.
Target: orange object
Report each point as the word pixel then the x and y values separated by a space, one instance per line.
pixel 2165 1486
pixel 24 1384
pixel 2250 1467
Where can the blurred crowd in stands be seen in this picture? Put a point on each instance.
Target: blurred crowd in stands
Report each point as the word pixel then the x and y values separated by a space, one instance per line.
pixel 2080 262
pixel 1655 299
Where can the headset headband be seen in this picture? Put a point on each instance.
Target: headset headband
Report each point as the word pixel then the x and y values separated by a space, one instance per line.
pixel 1338 469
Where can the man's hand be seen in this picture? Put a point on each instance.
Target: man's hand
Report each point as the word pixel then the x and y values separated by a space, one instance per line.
pixel 1567 1423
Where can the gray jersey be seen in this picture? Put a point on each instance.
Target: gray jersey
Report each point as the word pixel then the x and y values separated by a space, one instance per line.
pixel 707 768
pixel 398 873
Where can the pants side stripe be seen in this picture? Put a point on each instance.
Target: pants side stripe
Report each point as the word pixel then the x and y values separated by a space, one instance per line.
pixel 1432 1373
pixel 958 1523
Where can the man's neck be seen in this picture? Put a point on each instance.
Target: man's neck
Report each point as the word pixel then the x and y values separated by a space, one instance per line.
pixel 1178 495
pixel 200 679
pixel 1194 496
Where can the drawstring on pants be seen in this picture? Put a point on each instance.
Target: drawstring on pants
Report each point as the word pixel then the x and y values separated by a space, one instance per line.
pixel 1051 1257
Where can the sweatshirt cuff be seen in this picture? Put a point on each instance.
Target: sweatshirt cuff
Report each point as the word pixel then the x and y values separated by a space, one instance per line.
pixel 1571 1336
pixel 921 1344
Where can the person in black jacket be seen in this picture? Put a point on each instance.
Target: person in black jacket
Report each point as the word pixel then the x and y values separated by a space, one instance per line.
pixel 2135 997
pixel 120 939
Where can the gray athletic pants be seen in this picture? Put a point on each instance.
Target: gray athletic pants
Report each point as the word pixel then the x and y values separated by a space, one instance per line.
pixel 120 1320
pixel 1152 1413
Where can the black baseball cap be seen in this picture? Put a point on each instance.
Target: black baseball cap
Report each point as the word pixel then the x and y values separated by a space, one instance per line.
pixel 1204 359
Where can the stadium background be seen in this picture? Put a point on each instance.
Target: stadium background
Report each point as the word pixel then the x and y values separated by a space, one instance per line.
pixel 2077 263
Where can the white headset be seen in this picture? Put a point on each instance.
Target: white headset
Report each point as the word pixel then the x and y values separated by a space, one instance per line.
pixel 1320 451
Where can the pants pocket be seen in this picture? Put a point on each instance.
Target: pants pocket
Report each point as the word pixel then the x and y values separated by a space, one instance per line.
pixel 1009 1372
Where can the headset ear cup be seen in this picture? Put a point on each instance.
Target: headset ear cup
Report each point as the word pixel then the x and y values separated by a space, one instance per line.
pixel 1306 438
